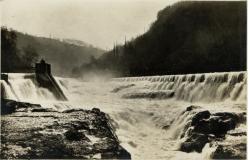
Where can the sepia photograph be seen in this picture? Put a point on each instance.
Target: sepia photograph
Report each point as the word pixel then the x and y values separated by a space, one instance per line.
pixel 123 79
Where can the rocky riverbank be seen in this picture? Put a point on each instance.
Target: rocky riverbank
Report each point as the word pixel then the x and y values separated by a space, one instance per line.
pixel 221 130
pixel 30 131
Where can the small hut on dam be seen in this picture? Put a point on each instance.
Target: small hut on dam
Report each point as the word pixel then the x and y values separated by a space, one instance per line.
pixel 46 80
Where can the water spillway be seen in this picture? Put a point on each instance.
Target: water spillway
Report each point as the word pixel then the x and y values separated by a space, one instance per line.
pixel 25 87
pixel 209 87
pixel 152 114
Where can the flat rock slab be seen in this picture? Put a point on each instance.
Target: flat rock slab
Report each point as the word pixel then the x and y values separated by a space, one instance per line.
pixel 40 134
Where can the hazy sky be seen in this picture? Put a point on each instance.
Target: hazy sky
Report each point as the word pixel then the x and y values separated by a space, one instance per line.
pixel 98 22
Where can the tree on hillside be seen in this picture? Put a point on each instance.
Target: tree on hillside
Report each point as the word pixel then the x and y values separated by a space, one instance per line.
pixel 9 57
pixel 30 56
pixel 188 37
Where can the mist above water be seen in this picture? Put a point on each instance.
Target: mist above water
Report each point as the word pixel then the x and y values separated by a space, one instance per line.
pixel 148 126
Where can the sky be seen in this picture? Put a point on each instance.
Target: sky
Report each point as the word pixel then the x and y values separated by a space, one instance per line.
pixel 98 22
pixel 101 23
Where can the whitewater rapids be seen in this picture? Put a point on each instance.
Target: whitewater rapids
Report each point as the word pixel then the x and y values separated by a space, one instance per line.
pixel 142 106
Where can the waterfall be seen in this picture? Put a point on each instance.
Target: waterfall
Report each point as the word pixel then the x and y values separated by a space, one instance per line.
pixel 207 87
pixel 147 127
pixel 23 87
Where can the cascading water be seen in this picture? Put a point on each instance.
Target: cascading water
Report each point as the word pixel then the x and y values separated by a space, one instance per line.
pixel 150 119
pixel 210 87
pixel 23 87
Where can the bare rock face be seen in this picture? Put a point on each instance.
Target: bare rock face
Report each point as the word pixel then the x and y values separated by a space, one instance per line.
pixel 217 127
pixel 37 133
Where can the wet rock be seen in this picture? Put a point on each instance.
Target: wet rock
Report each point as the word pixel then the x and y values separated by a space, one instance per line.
pixel 73 110
pixel 227 115
pixel 74 134
pixel 202 78
pixel 79 125
pixel 206 127
pixel 11 106
pixel 115 90
pixel 230 152
pixel 96 110
pixel 192 107
pixel 166 127
pixel 150 95
pixel 8 106
pixel 242 117
pixel 218 124
pixel 42 110
pixel 200 116
pixel 202 126
pixel 194 143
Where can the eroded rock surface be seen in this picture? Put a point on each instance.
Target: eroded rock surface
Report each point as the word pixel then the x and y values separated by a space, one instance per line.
pixel 35 132
pixel 220 129
pixel 117 89
pixel 149 95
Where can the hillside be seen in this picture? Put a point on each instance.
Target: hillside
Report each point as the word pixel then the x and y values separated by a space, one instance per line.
pixel 62 55
pixel 187 37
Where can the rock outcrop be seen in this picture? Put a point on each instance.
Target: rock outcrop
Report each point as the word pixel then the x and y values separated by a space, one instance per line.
pixel 117 89
pixel 32 132
pixel 150 95
pixel 213 128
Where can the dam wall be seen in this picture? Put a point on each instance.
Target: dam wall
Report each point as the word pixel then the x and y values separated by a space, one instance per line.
pixel 22 86
pixel 208 87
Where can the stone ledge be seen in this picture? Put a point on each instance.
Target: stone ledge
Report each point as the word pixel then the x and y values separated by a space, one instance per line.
pixel 46 134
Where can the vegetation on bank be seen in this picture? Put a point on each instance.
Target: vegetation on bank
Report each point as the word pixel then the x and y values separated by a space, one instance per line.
pixel 12 58
pixel 187 37
pixel 20 51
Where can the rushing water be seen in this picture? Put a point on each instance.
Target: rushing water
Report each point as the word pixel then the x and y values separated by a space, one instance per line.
pixel 142 107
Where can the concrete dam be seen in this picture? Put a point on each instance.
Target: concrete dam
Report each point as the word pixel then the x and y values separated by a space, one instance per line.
pixel 196 116
pixel 41 84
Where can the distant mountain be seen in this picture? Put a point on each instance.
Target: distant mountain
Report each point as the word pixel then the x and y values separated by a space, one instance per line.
pixel 64 55
pixel 77 42
pixel 187 37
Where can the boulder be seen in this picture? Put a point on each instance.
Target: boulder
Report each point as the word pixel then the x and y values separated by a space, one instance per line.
pixel 192 107
pixel 194 143
pixel 206 127
pixel 235 151
pixel 200 116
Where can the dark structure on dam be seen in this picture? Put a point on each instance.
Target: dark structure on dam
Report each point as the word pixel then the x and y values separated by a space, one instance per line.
pixel 43 68
pixel 46 80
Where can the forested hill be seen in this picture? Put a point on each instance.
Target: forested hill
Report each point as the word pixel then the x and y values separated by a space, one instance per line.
pixel 25 49
pixel 187 37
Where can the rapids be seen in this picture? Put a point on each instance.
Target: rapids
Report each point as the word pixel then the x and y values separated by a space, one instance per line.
pixel 150 125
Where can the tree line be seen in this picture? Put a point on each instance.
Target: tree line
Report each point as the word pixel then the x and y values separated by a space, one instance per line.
pixel 14 59
pixel 187 37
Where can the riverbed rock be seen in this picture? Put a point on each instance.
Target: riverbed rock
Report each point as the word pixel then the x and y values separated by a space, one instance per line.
pixel 231 149
pixel 194 143
pixel 206 127
pixel 149 95
pixel 10 106
pixel 119 88
pixel 200 116
pixel 192 107
pixel 78 134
